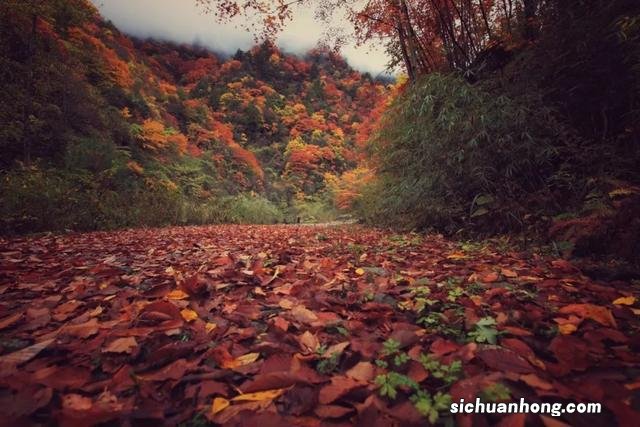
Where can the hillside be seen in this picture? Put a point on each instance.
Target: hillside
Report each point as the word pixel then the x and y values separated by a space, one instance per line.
pixel 94 122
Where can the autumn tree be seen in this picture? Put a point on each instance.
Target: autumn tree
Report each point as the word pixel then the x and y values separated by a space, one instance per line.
pixel 423 35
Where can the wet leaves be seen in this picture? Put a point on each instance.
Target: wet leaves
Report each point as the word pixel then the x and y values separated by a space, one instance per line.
pixel 249 324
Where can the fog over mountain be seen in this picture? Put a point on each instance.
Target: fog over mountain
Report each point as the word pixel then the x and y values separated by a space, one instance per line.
pixel 184 22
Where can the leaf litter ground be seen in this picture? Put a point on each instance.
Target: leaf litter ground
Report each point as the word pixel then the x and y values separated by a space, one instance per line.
pixel 309 326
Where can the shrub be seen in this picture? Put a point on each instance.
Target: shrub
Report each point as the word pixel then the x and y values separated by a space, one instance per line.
pixel 449 154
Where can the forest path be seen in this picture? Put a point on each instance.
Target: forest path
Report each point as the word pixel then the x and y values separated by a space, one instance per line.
pixel 284 325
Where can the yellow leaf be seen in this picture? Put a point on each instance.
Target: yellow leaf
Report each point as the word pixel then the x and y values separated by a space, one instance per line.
pixel 457 256
pixel 630 300
pixel 261 395
pixel 210 327
pixel 177 294
pixel 360 271
pixel 241 361
pixel 219 404
pixel 189 315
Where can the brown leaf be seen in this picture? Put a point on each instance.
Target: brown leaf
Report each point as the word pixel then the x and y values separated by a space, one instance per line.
pixel 10 320
pixel 600 314
pixel 303 315
pixel 505 360
pixel 332 411
pixel 339 387
pixel 121 345
pixel 308 342
pixel 21 356
pixel 362 371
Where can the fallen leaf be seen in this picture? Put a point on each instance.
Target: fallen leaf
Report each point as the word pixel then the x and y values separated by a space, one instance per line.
pixel 10 320
pixel 121 345
pixel 308 342
pixel 567 328
pixel 208 327
pixel 335 349
pixel 286 304
pixel 260 395
pixel 339 387
pixel 536 382
pixel 508 273
pixel 360 271
pixel 177 294
pixel 241 361
pixel 303 314
pixel 504 360
pixel 21 356
pixel 188 315
pixel 362 371
pixel 219 404
pixel 600 314
pixel 281 324
pixel 630 300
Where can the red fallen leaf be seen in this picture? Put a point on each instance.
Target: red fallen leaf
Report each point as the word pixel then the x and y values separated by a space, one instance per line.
pixel 193 285
pixel 82 330
pixel 299 400
pixel 406 413
pixel 303 314
pixel 173 371
pixel 440 347
pixel 490 277
pixel 24 403
pixel 60 377
pixel 362 371
pixel 600 314
pixel 536 382
pixel 339 387
pixel 469 388
pixel 332 411
pixel 281 324
pixel 504 360
pixel 564 266
pixel 518 332
pixel 523 350
pixel 271 381
pixel 417 372
pixel 10 361
pixel 571 351
pixel 160 311
pixel 405 337
pixel 10 320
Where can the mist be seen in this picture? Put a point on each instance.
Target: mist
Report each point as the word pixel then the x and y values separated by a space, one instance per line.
pixel 182 21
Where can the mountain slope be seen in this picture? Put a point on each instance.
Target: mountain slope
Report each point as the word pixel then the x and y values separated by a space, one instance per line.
pixel 100 130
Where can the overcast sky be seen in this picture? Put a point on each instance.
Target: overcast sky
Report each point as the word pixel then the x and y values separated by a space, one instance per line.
pixel 183 22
